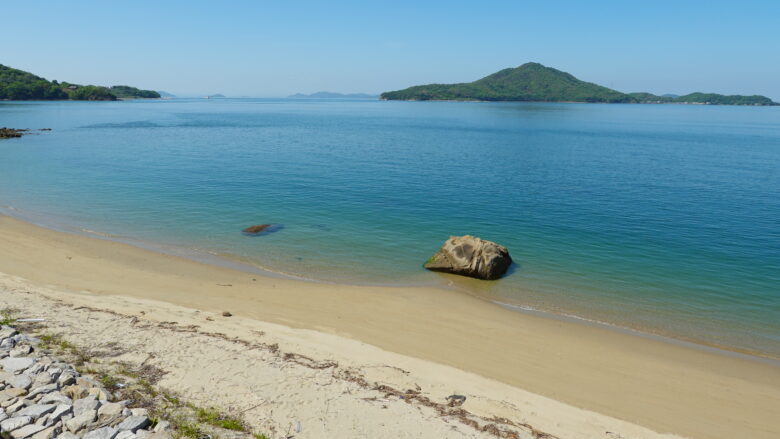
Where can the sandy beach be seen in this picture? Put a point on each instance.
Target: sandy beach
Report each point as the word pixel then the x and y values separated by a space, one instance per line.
pixel 540 375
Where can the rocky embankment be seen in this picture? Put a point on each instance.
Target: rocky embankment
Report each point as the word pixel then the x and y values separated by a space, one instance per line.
pixel 42 397
pixel 10 133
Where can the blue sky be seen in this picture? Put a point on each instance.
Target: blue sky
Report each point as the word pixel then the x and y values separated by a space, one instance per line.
pixel 275 48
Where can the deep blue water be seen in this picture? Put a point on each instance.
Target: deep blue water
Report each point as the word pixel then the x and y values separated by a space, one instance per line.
pixel 664 218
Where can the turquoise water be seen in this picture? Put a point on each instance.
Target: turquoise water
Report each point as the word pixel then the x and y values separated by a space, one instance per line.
pixel 664 218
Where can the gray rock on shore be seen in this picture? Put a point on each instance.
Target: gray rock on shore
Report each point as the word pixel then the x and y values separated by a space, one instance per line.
pixel 471 256
pixel 15 364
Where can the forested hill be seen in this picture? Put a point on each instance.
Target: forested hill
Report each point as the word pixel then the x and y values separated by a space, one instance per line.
pixel 537 83
pixel 19 85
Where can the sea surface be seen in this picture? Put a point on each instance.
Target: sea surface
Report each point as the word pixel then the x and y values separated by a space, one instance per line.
pixel 661 218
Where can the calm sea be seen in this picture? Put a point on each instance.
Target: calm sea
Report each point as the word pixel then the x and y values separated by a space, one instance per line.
pixel 663 218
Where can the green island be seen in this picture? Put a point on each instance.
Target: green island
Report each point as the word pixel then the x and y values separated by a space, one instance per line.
pixel 18 85
pixel 533 82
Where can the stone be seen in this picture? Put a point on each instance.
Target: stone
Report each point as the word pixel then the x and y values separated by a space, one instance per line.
pixel 42 389
pixel 99 393
pixel 13 392
pixel 75 391
pixel 66 378
pixel 159 435
pixel 5 376
pixel 101 433
pixel 139 411
pixel 34 369
pixel 141 434
pixel 21 338
pixel 456 400
pixel 54 371
pixel 57 398
pixel 163 426
pixel 37 410
pixel 59 411
pixel 48 433
pixel 12 424
pixel 20 351
pixel 133 423
pixel 15 406
pixel 15 364
pixel 256 230
pixel 85 404
pixel 7 332
pixel 5 403
pixel 110 410
pixel 87 382
pixel 26 431
pixel 471 256
pixel 81 421
pixel 3 416
pixel 125 435
pixel 22 381
pixel 43 379
pixel 67 435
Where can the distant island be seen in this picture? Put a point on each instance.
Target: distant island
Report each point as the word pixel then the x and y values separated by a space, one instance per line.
pixel 533 82
pixel 214 96
pixel 18 85
pixel 331 95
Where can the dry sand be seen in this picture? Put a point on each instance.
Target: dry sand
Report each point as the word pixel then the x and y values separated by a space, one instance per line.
pixel 562 378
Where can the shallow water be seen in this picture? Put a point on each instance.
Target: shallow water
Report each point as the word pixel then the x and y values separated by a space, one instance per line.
pixel 662 218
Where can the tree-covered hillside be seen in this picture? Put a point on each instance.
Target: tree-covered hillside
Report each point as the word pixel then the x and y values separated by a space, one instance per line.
pixel 127 92
pixel 718 99
pixel 19 85
pixel 529 82
pixel 537 83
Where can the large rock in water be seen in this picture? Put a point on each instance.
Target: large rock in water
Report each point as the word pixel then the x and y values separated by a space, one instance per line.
pixel 471 256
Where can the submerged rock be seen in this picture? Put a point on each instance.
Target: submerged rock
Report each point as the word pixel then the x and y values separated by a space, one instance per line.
pixel 254 230
pixel 471 256
pixel 262 229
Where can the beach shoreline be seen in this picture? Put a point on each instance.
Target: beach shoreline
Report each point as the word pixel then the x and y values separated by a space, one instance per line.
pixel 652 383
pixel 459 284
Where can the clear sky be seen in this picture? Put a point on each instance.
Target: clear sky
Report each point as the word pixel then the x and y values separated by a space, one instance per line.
pixel 275 48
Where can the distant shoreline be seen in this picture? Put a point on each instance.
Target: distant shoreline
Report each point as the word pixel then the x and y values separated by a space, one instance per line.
pixel 535 82
pixel 579 102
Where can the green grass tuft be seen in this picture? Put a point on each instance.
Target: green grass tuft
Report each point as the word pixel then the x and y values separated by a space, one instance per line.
pixel 213 417
pixel 7 316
